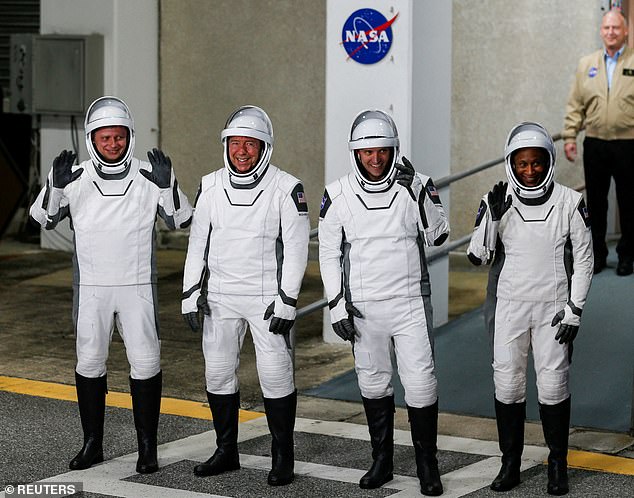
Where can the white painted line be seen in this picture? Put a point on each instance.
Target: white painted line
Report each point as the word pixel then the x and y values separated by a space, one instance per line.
pixel 107 478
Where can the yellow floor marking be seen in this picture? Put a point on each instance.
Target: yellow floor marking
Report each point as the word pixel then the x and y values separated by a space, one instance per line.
pixel 600 462
pixel 195 409
pixel 169 406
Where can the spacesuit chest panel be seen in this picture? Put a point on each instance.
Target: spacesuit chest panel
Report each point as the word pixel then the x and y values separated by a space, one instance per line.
pixel 246 224
pixel 114 229
pixel 534 239
pixel 381 229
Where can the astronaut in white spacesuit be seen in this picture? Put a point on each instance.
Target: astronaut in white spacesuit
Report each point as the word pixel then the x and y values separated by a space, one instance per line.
pixel 373 225
pixel 247 253
pixel 537 239
pixel 112 200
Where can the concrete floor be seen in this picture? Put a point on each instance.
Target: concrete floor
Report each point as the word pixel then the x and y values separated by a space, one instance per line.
pixel 36 342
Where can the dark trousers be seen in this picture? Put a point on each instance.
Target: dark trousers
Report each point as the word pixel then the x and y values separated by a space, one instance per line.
pixel 602 161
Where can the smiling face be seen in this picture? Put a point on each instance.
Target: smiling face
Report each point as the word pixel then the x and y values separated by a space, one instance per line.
pixel 613 32
pixel 530 166
pixel 111 142
pixel 244 152
pixel 374 161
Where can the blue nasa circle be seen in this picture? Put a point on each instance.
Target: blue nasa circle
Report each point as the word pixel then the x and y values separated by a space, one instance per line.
pixel 362 41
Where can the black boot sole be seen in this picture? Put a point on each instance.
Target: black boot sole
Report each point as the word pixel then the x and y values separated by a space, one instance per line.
pixel 206 470
pixel 373 485
pixel 78 465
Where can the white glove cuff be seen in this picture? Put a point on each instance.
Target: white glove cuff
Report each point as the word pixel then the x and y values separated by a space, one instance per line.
pixel 54 201
pixel 285 311
pixel 166 200
pixel 339 312
pixel 570 318
pixel 492 235
pixel 190 304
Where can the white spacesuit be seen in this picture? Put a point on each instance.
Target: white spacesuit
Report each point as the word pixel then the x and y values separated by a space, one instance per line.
pixel 248 250
pixel 113 206
pixel 538 242
pixel 371 238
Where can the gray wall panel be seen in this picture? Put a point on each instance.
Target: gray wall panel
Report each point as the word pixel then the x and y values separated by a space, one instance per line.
pixel 217 55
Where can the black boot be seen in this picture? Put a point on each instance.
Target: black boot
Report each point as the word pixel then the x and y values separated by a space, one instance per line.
pixel 510 421
pixel 91 398
pixel 224 412
pixel 380 415
pixel 280 415
pixel 555 423
pixel 146 407
pixel 424 427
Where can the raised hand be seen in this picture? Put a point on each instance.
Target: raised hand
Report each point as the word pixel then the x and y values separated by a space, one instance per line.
pixel 499 202
pixel 161 168
pixel 406 172
pixel 62 169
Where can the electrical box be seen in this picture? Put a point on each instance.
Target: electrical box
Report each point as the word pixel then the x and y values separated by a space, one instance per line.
pixel 55 74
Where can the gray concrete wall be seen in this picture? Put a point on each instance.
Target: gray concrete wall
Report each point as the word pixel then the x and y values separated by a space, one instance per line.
pixel 217 55
pixel 512 61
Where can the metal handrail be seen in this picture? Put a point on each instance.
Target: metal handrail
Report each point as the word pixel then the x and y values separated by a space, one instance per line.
pixel 433 253
pixel 446 180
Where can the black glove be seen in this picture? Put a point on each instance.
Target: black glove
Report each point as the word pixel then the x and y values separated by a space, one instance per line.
pixel 345 328
pixel 62 169
pixel 193 319
pixel 279 325
pixel 161 169
pixel 566 333
pixel 406 172
pixel 497 202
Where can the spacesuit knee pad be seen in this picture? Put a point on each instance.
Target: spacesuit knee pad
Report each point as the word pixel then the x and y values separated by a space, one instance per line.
pixel 510 387
pixel 421 391
pixel 145 368
pixel 276 374
pixel 91 366
pixel 221 374
pixel 552 387
pixel 374 386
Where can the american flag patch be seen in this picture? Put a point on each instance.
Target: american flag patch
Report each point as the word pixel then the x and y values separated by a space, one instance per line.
pixel 432 192
pixel 300 197
pixel 583 211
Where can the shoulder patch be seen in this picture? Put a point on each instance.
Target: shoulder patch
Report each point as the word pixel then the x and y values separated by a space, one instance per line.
pixel 583 211
pixel 325 204
pixel 481 211
pixel 432 192
pixel 299 198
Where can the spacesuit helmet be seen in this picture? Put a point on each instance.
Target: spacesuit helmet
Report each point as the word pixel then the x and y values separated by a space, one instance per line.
pixel 248 121
pixel 103 112
pixel 521 136
pixel 371 129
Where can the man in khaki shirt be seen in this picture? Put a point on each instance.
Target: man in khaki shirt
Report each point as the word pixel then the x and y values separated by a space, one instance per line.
pixel 602 100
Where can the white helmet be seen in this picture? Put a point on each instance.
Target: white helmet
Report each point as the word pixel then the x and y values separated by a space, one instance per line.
pixel 248 121
pixel 373 128
pixel 523 135
pixel 109 111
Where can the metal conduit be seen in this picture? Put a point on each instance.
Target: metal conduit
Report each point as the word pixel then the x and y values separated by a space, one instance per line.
pixel 432 254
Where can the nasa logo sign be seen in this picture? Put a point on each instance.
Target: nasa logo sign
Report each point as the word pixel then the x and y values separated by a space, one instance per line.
pixel 367 36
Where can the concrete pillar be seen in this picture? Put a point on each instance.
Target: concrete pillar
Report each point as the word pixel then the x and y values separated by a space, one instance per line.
pixel 130 31
pixel 412 82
